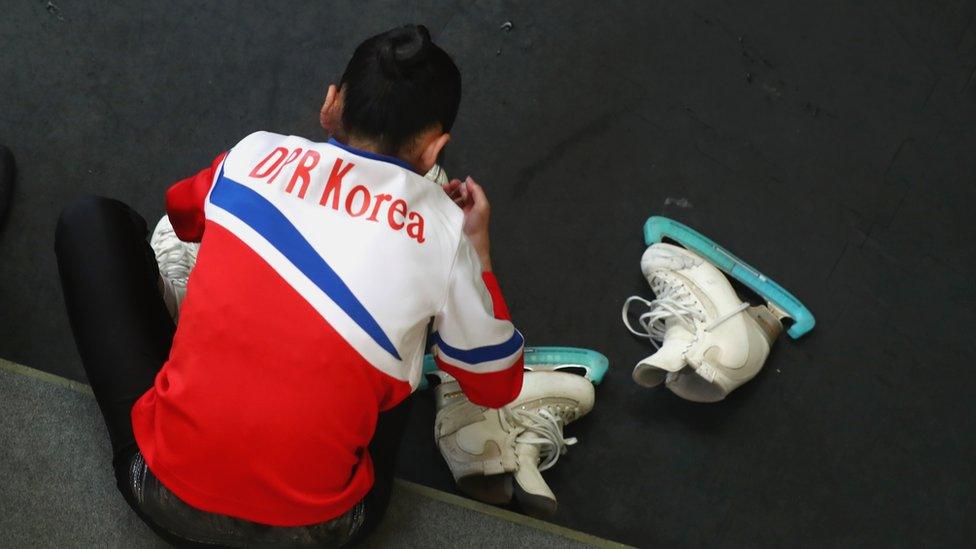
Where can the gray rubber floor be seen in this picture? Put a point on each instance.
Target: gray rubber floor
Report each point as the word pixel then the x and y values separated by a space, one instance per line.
pixel 57 488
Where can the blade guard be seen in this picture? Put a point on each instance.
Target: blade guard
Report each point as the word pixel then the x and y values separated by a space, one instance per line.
pixel 547 359
pixel 784 303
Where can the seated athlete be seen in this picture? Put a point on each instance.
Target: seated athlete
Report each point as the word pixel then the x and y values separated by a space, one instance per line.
pixel 271 414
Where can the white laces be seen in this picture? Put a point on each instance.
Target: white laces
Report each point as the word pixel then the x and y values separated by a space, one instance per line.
pixel 541 428
pixel 673 301
pixel 173 256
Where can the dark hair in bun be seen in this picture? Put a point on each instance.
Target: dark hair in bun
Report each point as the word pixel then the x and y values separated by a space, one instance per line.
pixel 398 84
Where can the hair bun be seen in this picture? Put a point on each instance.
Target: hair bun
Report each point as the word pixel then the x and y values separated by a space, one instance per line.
pixel 405 48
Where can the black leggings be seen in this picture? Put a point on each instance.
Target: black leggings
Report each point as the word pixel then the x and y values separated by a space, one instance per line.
pixel 123 331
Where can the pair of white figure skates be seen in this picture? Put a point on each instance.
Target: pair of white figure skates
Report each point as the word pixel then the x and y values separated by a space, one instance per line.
pixel 709 341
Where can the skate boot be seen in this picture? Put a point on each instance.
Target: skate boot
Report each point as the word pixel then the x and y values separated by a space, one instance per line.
pixel 709 341
pixel 175 259
pixel 485 447
pixel 548 402
pixel 437 175
pixel 477 443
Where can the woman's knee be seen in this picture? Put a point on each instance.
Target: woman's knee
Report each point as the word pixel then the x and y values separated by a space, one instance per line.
pixel 93 212
pixel 82 210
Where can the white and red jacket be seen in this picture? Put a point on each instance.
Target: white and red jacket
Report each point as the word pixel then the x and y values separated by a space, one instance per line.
pixel 320 268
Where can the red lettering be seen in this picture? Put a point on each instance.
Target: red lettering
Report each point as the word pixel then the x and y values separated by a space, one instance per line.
pixel 334 186
pixel 280 152
pixel 305 165
pixel 352 195
pixel 380 198
pixel 291 158
pixel 415 230
pixel 359 202
pixel 397 206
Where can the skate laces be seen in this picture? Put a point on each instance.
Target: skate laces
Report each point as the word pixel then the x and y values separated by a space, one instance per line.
pixel 672 301
pixel 540 428
pixel 173 256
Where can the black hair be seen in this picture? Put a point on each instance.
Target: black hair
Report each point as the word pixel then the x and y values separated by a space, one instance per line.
pixel 398 84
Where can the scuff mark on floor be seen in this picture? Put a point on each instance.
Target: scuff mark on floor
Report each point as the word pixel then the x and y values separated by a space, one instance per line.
pixel 54 10
pixel 679 202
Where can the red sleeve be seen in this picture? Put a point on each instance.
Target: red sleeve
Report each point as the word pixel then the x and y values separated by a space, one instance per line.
pixel 492 390
pixel 515 373
pixel 184 202
pixel 497 301
pixel 495 389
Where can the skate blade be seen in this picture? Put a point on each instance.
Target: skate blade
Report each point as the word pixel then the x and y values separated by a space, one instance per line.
pixel 781 302
pixel 590 364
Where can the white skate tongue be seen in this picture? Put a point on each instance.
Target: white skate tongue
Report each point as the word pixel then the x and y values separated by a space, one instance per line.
pixel 654 370
pixel 669 357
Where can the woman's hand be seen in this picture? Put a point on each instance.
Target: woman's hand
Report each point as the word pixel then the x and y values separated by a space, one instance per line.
pixel 470 197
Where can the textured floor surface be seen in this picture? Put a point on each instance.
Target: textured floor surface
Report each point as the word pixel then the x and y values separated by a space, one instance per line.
pixel 58 489
pixel 829 143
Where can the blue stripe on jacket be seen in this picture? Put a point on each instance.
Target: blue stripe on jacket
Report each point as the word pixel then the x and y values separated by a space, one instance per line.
pixel 261 215
pixel 479 355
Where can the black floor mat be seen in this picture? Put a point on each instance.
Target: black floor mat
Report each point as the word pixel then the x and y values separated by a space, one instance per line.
pixel 828 143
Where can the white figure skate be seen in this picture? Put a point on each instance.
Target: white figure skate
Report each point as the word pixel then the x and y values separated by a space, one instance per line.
pixel 486 448
pixel 709 341
pixel 175 259
pixel 437 175
pixel 547 403
pixel 476 442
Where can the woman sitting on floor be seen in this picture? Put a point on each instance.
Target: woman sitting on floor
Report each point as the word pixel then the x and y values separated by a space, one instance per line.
pixel 271 413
